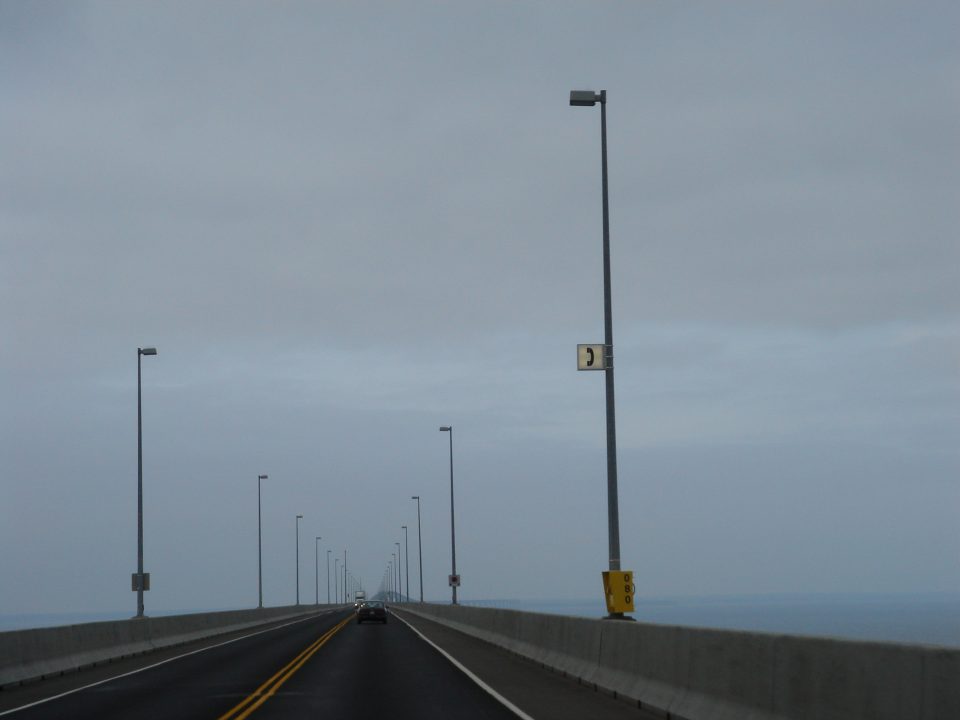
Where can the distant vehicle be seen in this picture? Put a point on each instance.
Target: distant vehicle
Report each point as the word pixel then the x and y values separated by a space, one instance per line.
pixel 359 599
pixel 372 610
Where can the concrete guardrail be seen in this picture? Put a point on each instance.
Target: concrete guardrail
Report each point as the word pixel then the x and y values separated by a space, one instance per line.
pixel 686 673
pixel 33 654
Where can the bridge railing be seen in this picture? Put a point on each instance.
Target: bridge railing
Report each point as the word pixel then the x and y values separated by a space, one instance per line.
pixel 33 654
pixel 695 673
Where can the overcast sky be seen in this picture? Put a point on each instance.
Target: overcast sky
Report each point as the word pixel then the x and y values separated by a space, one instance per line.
pixel 344 225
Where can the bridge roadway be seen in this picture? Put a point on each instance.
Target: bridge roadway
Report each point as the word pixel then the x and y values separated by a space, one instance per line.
pixel 325 666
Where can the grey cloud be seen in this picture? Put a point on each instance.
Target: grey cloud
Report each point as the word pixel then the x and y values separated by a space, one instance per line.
pixel 345 225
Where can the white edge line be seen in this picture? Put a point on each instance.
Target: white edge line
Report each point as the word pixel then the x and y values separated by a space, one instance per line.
pixel 162 662
pixel 497 696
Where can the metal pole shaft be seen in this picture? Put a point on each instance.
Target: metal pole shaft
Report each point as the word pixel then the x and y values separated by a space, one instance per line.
pixel 613 512
pixel 420 549
pixel 406 556
pixel 328 577
pixel 453 534
pixel 139 493
pixel 298 561
pixel 259 548
pixel 316 572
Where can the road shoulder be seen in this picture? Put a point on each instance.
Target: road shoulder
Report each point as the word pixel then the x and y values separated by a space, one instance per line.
pixel 16 696
pixel 538 691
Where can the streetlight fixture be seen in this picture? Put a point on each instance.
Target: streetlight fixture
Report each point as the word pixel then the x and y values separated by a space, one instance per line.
pixel 141 581
pixel 393 573
pixel 328 577
pixel 588 98
pixel 299 518
pixel 336 579
pixel 419 547
pixel 259 545
pixel 316 569
pixel 344 575
pixel 406 557
pixel 454 578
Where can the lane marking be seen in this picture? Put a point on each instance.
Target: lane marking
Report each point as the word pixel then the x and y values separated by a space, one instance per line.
pixel 466 671
pixel 269 688
pixel 162 662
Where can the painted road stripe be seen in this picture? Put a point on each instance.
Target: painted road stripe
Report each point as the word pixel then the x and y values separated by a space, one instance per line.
pixel 497 696
pixel 267 690
pixel 162 662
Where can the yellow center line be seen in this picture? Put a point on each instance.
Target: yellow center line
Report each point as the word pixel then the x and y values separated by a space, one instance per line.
pixel 259 696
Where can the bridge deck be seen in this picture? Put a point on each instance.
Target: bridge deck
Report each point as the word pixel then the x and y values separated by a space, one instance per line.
pixel 348 671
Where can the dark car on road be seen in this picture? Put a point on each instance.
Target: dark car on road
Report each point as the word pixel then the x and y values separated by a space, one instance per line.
pixel 372 610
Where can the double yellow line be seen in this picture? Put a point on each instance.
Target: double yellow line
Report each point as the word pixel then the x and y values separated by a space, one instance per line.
pixel 263 693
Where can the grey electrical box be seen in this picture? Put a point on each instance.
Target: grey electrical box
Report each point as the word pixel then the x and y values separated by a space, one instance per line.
pixel 140 582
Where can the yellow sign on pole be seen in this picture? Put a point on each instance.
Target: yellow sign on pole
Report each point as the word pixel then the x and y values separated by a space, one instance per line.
pixel 619 589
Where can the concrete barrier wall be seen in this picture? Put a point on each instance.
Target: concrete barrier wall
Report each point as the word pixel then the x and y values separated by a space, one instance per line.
pixel 698 673
pixel 27 655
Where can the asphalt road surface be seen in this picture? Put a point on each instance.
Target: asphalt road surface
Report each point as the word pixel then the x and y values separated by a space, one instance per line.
pixel 324 667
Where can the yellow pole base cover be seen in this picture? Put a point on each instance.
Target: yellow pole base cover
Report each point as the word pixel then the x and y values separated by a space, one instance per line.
pixel 618 588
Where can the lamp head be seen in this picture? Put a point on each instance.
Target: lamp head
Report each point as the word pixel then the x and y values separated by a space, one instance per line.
pixel 446 428
pixel 261 477
pixel 147 351
pixel 583 98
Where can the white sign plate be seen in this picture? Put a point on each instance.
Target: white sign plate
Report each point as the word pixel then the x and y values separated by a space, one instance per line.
pixel 591 357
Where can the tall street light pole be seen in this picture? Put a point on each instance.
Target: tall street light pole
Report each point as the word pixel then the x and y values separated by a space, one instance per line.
pixel 140 581
pixel 344 574
pixel 406 557
pixel 328 577
pixel 259 546
pixel 587 98
pixel 336 579
pixel 454 579
pixel 316 569
pixel 419 547
pixel 299 518
pixel 399 579
pixel 393 573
